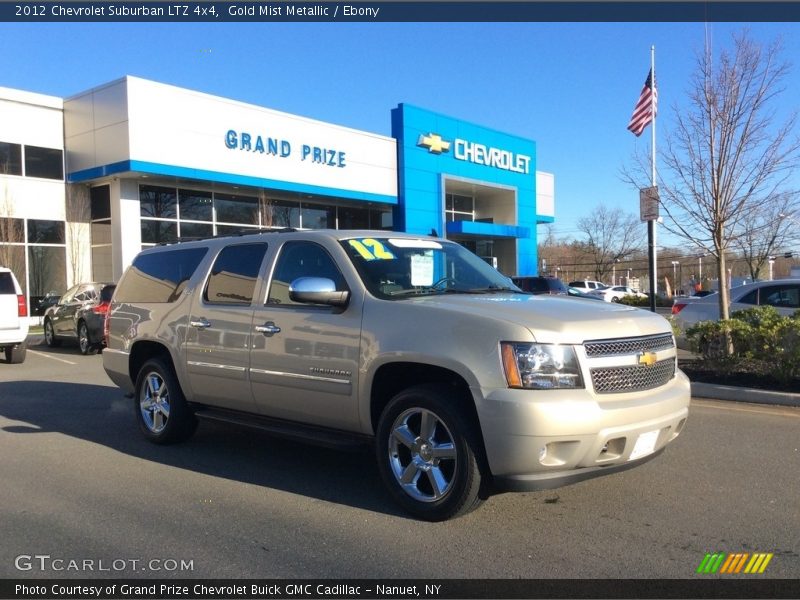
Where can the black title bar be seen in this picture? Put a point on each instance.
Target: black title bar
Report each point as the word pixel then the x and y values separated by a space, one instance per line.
pixel 368 589
pixel 423 11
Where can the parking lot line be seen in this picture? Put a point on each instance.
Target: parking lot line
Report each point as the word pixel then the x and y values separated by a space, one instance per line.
pixel 63 360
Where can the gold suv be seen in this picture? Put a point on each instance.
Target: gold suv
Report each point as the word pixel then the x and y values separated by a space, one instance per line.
pixel 463 383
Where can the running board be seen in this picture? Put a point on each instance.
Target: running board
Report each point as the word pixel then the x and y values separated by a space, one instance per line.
pixel 319 436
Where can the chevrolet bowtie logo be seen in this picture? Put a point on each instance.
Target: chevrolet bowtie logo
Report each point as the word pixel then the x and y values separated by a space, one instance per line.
pixel 648 359
pixel 434 143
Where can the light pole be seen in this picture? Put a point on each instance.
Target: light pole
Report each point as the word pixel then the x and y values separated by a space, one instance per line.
pixel 675 264
pixel 771 261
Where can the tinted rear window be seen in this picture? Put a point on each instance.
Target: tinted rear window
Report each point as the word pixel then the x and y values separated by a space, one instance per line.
pixel 234 274
pixel 7 284
pixel 161 276
pixel 107 292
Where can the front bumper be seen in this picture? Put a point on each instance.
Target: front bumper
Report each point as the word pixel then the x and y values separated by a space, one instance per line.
pixel 543 439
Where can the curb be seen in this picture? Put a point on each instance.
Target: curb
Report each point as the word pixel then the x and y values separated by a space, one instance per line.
pixel 740 394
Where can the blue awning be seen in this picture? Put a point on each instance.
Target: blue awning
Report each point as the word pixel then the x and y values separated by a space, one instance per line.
pixel 487 230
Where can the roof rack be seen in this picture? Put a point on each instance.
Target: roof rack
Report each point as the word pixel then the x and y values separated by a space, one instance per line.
pixel 241 232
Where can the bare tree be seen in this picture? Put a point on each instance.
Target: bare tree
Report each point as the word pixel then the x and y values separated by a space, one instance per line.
pixel 767 232
pixel 265 210
pixel 78 215
pixel 728 158
pixel 12 233
pixel 611 235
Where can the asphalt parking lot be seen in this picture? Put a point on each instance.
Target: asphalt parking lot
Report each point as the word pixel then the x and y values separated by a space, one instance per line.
pixel 79 482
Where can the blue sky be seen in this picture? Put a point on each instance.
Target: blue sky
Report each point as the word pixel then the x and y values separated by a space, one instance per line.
pixel 571 87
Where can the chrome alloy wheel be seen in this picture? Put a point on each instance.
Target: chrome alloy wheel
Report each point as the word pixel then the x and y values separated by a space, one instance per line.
pixel 154 403
pixel 422 455
pixel 83 338
pixel 49 336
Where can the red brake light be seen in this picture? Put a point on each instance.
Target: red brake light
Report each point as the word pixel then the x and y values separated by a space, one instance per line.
pixel 101 309
pixel 676 308
pixel 22 306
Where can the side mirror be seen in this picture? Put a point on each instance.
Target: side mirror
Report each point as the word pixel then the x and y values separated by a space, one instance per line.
pixel 317 290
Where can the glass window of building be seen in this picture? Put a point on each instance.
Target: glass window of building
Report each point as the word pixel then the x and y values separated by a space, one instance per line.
pixel 195 230
pixel 353 218
pixel 100 200
pixel 158 202
pixel 235 229
pixel 233 208
pixel 317 217
pixel 13 257
pixel 159 232
pixel 10 159
pixel 12 231
pixel 235 274
pixel 459 208
pixel 284 214
pixel 100 213
pixel 45 232
pixel 44 162
pixel 46 272
pixel 195 205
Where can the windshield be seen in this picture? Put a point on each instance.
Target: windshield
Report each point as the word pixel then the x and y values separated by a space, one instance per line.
pixel 395 268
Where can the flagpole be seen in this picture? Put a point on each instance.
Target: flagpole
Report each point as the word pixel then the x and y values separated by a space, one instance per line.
pixel 651 224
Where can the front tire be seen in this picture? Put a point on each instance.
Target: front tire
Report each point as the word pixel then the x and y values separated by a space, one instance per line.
pixel 161 408
pixel 428 454
pixel 50 335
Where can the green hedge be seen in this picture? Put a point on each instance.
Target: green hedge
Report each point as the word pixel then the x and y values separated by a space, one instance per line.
pixel 644 302
pixel 757 336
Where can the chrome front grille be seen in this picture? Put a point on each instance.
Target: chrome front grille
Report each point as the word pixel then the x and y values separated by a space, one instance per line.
pixel 615 380
pixel 617 347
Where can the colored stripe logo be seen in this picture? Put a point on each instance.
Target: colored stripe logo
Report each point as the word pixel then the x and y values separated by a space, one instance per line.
pixel 735 563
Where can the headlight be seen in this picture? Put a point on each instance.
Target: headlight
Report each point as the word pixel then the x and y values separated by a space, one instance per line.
pixel 540 366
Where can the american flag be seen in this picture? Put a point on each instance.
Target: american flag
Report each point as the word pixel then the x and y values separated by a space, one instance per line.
pixel 645 110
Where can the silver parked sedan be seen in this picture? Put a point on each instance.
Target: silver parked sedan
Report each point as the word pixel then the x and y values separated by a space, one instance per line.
pixel 783 294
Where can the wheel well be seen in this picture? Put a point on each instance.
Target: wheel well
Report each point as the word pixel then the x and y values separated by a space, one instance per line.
pixel 393 378
pixel 144 351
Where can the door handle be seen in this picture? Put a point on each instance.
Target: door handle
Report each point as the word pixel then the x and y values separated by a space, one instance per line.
pixel 269 328
pixel 200 324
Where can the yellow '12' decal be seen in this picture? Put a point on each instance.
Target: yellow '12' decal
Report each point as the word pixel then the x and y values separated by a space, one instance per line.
pixel 371 249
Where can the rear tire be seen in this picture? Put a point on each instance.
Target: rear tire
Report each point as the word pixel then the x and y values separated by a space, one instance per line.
pixel 429 453
pixel 84 341
pixel 16 354
pixel 162 412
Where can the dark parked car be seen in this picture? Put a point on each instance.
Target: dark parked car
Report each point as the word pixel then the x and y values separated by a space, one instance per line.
pixel 540 285
pixel 79 315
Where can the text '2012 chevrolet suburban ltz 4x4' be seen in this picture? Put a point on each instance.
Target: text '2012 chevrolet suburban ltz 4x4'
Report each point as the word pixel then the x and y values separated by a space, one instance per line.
pixel 463 383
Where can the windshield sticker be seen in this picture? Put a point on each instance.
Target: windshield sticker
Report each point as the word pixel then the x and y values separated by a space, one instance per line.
pixel 422 269
pixel 404 243
pixel 371 249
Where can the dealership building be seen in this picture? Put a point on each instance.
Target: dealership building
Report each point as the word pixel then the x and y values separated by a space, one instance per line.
pixel 86 182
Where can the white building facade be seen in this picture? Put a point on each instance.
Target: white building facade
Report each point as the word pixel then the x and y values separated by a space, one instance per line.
pixel 88 181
